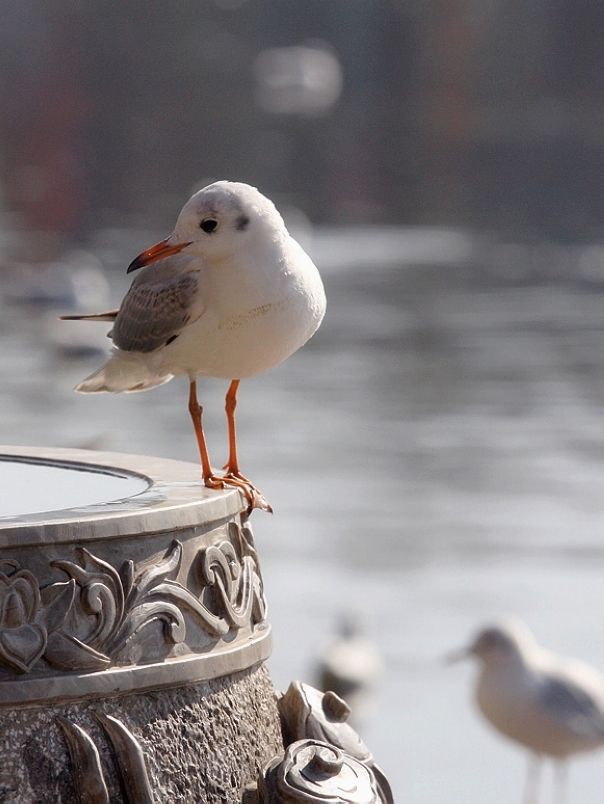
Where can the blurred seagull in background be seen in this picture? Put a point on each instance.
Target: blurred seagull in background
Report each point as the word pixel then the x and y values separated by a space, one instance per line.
pixel 552 705
pixel 229 294
pixel 351 666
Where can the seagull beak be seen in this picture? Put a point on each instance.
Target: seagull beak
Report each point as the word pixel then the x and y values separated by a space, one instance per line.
pixel 157 252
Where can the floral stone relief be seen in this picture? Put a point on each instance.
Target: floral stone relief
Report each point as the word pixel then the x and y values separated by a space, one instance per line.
pixel 90 621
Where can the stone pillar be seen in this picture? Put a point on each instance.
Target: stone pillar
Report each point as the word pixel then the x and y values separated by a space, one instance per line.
pixel 133 637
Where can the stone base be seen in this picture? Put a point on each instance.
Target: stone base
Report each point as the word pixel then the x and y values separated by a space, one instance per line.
pixel 133 633
pixel 200 742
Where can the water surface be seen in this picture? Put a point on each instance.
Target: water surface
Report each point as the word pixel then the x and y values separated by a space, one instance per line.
pixel 34 488
pixel 435 458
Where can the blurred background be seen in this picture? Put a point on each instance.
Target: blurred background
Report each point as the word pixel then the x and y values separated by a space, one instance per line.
pixel 435 455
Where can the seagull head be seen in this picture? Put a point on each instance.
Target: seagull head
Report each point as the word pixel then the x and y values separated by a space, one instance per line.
pixel 218 222
pixel 498 644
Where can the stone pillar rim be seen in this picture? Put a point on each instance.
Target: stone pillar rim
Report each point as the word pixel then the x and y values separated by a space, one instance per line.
pixel 175 498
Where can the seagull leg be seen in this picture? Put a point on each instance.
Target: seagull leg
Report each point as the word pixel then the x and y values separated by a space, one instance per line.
pixel 561 781
pixel 230 403
pixel 233 474
pixel 533 780
pixel 196 410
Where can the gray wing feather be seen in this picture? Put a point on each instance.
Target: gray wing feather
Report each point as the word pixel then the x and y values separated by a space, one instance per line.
pixel 154 312
pixel 567 703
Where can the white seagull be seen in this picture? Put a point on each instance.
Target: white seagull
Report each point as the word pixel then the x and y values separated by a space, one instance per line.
pixel 228 294
pixel 552 705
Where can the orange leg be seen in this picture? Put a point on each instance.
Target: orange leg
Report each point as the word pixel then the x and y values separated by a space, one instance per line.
pixel 232 466
pixel 196 410
pixel 233 473
pixel 233 476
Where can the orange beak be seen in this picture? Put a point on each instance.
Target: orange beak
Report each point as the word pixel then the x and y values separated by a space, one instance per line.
pixel 157 252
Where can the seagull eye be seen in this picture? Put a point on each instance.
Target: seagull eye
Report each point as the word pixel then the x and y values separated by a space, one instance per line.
pixel 208 226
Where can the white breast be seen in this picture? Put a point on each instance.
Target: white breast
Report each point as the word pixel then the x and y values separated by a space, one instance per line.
pixel 253 320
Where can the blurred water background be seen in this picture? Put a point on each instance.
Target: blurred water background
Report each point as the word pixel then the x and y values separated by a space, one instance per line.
pixel 435 455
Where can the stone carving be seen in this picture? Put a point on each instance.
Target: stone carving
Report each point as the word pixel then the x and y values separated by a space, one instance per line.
pixel 99 629
pixel 307 713
pixel 313 771
pixel 120 604
pixel 91 621
pixel 88 777
pixel 29 616
pixel 129 759
pixel 238 586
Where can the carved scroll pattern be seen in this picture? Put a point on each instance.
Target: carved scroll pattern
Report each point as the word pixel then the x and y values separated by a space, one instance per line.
pixel 88 776
pixel 87 622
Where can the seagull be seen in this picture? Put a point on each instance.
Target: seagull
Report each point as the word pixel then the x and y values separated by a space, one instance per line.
pixel 552 705
pixel 228 294
pixel 351 667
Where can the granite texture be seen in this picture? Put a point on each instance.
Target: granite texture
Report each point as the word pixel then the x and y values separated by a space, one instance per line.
pixel 201 742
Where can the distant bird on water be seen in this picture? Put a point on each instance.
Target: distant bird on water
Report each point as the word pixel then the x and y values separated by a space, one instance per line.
pixel 228 294
pixel 351 666
pixel 552 705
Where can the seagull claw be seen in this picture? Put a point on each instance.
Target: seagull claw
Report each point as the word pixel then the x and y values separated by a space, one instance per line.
pixel 255 497
pixel 212 482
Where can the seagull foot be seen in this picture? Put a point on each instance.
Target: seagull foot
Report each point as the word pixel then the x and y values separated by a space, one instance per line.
pixel 254 497
pixel 212 482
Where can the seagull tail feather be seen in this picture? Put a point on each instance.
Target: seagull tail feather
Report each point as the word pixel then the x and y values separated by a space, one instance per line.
pixel 122 373
pixel 109 315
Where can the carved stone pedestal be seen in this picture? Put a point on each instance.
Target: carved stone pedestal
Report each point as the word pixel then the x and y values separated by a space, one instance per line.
pixel 132 638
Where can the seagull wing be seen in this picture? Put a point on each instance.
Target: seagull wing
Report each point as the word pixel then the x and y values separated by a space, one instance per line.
pixel 572 706
pixel 159 304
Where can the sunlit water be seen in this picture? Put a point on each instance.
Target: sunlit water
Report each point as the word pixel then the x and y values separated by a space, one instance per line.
pixel 435 458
